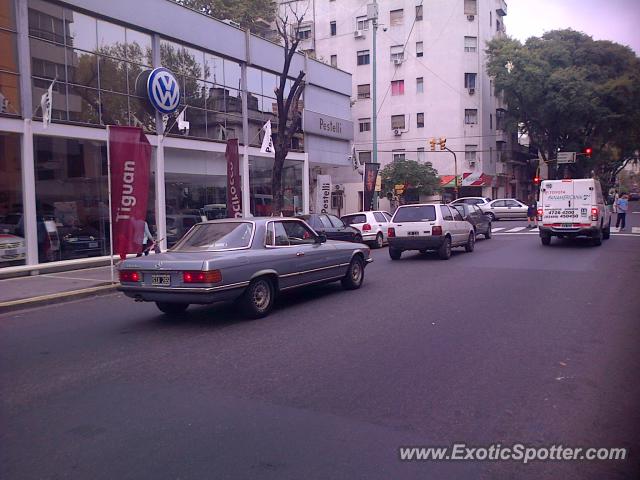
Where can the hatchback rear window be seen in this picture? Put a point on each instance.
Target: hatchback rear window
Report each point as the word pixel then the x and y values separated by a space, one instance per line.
pixel 418 213
pixel 351 219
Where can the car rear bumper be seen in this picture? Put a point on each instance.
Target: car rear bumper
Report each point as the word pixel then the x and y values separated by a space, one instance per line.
pixel 202 295
pixel 568 232
pixel 369 237
pixel 416 243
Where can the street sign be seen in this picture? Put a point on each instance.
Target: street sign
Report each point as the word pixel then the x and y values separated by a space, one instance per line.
pixel 566 157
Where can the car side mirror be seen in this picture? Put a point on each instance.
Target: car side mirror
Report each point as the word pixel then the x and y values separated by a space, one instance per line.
pixel 321 238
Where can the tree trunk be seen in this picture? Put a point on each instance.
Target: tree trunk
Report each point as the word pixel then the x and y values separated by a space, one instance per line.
pixel 276 182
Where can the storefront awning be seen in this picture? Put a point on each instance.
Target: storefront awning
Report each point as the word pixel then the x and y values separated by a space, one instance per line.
pixel 447 181
pixel 476 180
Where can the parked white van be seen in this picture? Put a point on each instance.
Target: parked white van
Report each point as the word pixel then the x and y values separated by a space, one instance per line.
pixel 573 208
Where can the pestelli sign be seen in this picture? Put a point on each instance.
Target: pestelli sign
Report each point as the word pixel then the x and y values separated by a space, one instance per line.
pixel 234 192
pixel 129 160
pixel 323 194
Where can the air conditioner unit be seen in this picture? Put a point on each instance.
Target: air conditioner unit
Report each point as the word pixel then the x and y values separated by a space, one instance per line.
pixel 358 34
pixel 472 91
pixel 397 132
pixel 338 187
pixel 472 163
pixel 398 61
pixel 471 17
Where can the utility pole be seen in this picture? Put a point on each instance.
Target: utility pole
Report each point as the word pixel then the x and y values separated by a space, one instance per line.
pixel 372 14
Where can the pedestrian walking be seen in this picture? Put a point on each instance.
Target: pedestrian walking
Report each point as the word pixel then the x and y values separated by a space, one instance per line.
pixel 622 205
pixel 615 201
pixel 532 211
pixel 147 240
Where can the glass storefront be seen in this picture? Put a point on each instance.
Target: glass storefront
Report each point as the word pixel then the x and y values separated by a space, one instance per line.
pixel 12 242
pixel 9 77
pixel 260 169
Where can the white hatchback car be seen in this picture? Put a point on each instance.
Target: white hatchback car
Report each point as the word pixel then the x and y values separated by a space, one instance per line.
pixel 472 201
pixel 429 226
pixel 372 225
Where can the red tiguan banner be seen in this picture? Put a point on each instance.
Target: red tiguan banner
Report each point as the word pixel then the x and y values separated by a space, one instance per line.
pixel 129 157
pixel 234 190
pixel 370 176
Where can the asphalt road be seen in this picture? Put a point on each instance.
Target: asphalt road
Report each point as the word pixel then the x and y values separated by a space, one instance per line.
pixel 513 343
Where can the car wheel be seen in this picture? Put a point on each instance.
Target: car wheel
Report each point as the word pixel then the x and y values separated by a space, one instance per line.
pixel 395 254
pixel 546 240
pixel 487 235
pixel 444 252
pixel 258 299
pixel 172 308
pixel 606 233
pixel 597 240
pixel 357 239
pixel 471 243
pixel 492 216
pixel 355 274
pixel 379 241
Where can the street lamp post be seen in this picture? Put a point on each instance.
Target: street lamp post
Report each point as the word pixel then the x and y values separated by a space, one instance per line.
pixel 372 14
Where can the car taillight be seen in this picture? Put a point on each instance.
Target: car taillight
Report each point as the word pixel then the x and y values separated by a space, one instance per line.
pixel 209 276
pixel 437 230
pixel 594 214
pixel 366 227
pixel 129 276
pixel 391 232
pixel 540 212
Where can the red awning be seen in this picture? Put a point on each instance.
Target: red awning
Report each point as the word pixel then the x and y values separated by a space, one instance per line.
pixel 483 180
pixel 447 180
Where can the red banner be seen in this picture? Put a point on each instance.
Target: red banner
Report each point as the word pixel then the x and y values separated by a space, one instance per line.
pixel 370 176
pixel 129 158
pixel 234 189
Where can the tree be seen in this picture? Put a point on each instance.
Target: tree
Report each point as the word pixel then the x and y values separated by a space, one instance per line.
pixel 251 14
pixel 418 178
pixel 569 92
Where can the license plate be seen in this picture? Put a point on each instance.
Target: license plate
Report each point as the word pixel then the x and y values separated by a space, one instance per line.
pixel 93 244
pixel 567 225
pixel 413 233
pixel 161 280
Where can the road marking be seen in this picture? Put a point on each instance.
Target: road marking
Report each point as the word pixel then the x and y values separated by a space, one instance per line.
pixel 517 229
pixel 635 229
pixel 615 229
pixel 494 229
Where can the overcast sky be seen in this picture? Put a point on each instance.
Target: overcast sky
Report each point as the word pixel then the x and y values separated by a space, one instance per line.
pixel 615 20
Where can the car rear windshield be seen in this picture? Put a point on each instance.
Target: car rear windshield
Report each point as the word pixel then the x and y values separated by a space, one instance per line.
pixel 353 219
pixel 216 236
pixel 418 213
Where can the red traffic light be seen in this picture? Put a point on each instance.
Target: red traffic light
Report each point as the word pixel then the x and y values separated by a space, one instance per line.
pixel 536 180
pixel 588 151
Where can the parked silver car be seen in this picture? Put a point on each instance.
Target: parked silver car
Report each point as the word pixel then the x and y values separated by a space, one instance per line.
pixel 246 260
pixel 372 225
pixel 504 208
pixel 471 201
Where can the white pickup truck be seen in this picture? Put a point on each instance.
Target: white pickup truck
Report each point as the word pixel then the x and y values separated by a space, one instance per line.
pixel 573 208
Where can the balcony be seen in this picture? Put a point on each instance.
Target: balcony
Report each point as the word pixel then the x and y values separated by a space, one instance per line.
pixel 502 8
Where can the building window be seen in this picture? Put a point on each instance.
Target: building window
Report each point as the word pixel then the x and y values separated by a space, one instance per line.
pixel 397 87
pixel 363 57
pixel 470 44
pixel 470 81
pixel 362 23
pixel 364 91
pixel 334 60
pixel 397 122
pixel 420 85
pixel 397 52
pixel 333 28
pixel 500 119
pixel 420 120
pixel 470 116
pixel 470 153
pixel 365 124
pixel 396 17
pixel 470 7
pixel 421 154
pixel 364 157
pixel 304 32
pixel 398 155
pixel 418 13
pixel 419 49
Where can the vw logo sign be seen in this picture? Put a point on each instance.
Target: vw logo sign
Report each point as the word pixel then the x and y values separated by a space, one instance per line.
pixel 163 90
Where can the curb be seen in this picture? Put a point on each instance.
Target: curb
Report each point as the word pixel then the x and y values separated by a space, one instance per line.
pixel 54 298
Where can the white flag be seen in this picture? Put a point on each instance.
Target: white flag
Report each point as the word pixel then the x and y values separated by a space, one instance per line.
pixel 267 141
pixel 183 125
pixel 46 103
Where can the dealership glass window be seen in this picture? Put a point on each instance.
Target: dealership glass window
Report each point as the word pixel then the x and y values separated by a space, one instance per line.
pixel 71 198
pixel 260 169
pixel 7 15
pixel 9 71
pixel 214 69
pixel 12 236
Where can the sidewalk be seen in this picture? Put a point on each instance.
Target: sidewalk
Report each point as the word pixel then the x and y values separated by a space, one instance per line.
pixel 24 292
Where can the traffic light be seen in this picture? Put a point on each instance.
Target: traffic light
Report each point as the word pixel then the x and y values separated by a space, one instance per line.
pixel 443 143
pixel 536 180
pixel 432 142
pixel 588 151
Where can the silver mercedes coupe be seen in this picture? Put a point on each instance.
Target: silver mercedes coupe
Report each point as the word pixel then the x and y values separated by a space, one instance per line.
pixel 247 260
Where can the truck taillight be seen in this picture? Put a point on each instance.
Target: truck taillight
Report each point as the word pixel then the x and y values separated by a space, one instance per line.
pixel 129 276
pixel 391 232
pixel 209 276
pixel 437 230
pixel 594 214
pixel 366 227
pixel 540 212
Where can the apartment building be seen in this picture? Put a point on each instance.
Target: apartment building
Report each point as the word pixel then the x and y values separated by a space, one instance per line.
pixel 431 82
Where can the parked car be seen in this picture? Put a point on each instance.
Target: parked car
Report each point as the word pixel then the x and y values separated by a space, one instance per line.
pixel 634 196
pixel 372 225
pixel 12 248
pixel 179 224
pixel 429 226
pixel 471 213
pixel 81 242
pixel 332 227
pixel 471 201
pixel 504 208
pixel 246 260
